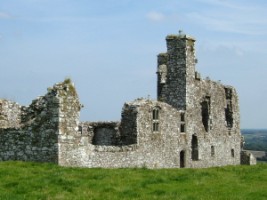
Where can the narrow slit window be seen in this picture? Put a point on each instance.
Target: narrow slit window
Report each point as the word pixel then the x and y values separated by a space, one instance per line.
pixel 212 151
pixel 182 117
pixel 233 153
pixel 155 126
pixel 155 114
pixel 182 128
pixel 155 120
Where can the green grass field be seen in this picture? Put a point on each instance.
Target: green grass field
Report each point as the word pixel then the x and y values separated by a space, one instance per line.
pixel 26 180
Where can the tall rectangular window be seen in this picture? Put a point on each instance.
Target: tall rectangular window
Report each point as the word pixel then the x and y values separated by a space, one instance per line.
pixel 155 114
pixel 182 117
pixel 155 120
pixel 182 128
pixel 233 153
pixel 212 149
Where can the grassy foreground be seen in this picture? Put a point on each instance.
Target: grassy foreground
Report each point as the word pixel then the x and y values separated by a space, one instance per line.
pixel 25 180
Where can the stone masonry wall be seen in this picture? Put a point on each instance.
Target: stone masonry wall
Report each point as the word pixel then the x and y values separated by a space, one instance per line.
pixel 154 149
pixel 9 114
pixel 194 123
pixel 212 110
pixel 36 137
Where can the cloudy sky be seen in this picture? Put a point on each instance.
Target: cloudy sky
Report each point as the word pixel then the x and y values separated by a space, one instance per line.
pixel 109 49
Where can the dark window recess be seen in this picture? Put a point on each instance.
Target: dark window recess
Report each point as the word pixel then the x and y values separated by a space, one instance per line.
pixel 194 146
pixel 205 111
pixel 229 115
pixel 81 129
pixel 229 108
pixel 155 114
pixel 228 93
pixel 155 126
pixel 233 153
pixel 212 149
pixel 182 117
pixel 182 128
pixel 182 159
pixel 155 117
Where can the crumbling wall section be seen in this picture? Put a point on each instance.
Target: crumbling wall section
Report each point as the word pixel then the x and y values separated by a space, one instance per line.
pixel 247 158
pixel 35 139
pixel 153 149
pixel 9 114
pixel 218 142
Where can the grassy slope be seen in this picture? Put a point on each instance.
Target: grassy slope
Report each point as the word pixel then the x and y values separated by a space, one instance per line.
pixel 21 180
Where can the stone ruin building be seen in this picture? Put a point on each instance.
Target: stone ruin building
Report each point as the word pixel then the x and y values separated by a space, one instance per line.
pixel 194 123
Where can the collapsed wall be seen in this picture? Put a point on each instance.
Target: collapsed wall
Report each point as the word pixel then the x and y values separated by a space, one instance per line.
pixel 134 142
pixel 32 133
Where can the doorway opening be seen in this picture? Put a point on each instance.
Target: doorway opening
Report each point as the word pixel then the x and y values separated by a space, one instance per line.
pixel 182 159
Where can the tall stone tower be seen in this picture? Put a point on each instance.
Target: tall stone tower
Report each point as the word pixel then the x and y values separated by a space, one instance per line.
pixel 176 70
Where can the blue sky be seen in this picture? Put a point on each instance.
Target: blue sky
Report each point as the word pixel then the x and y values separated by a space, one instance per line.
pixel 109 49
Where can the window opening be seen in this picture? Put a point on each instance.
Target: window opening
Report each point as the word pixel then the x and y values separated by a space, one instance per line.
pixel 233 153
pixel 229 107
pixel 155 114
pixel 182 159
pixel 155 117
pixel 212 151
pixel 194 146
pixel 182 117
pixel 205 112
pixel 155 126
pixel 182 128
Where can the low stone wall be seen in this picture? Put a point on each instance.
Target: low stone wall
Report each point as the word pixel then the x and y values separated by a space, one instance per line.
pixel 247 158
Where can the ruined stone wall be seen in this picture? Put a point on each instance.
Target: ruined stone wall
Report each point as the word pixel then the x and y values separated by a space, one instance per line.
pixel 194 123
pixel 35 137
pixel 9 114
pixel 211 109
pixel 218 144
pixel 247 158
pixel 153 149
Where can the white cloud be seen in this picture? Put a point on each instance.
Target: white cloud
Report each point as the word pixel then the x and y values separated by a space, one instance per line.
pixel 4 15
pixel 230 23
pixel 155 16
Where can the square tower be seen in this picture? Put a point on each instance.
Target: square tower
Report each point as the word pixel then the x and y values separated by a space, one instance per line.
pixel 176 70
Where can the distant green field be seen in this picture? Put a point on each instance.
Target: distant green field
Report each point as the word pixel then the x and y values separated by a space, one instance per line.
pixel 25 180
pixel 255 139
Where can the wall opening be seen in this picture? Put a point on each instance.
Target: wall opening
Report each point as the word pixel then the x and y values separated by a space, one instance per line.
pixel 104 136
pixel 212 149
pixel 194 146
pixel 182 117
pixel 182 159
pixel 205 112
pixel 155 126
pixel 229 107
pixel 155 117
pixel 233 153
pixel 229 115
pixel 182 128
pixel 155 114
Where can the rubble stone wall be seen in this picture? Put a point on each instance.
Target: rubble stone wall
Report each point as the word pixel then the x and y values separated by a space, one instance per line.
pixel 34 136
pixel 9 114
pixel 194 123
